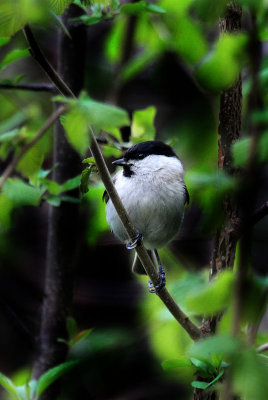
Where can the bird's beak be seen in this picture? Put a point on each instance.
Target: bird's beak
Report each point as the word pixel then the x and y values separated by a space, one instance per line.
pixel 120 161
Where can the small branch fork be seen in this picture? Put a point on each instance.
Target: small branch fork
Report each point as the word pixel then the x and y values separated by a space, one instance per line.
pixel 193 331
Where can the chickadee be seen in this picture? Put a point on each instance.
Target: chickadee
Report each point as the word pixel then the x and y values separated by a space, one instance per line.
pixel 153 191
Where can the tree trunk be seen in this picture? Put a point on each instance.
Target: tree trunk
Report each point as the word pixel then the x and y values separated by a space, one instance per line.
pixel 230 117
pixel 63 224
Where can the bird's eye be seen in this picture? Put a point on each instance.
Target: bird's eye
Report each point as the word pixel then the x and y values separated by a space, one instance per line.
pixel 141 156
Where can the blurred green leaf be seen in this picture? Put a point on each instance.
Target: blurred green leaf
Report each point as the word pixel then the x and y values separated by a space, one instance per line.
pixel 71 326
pixel 97 224
pixel 179 362
pixel 12 56
pixel 209 11
pixel 70 184
pixel 20 193
pixel 113 45
pixel 8 385
pixel 142 127
pixel 141 7
pixel 220 69
pixel 59 6
pixel 14 14
pixel 10 135
pixel 241 150
pixel 249 376
pixel 214 297
pixel 6 207
pixel 76 128
pixel 221 345
pixel 200 384
pixel 85 111
pixel 188 40
pixel 137 64
pixel 27 391
pixel 53 200
pixel 31 162
pixel 52 375
pixel 52 186
pixel 4 40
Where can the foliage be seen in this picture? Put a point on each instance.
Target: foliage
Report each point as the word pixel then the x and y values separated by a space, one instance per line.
pixel 187 30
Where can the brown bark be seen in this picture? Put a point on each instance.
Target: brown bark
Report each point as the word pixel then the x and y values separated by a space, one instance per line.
pixel 230 116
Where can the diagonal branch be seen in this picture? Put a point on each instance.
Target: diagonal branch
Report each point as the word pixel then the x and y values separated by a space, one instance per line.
pixel 193 331
pixel 11 167
pixel 32 87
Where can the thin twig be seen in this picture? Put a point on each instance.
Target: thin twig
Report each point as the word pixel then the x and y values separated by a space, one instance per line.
pixel 11 167
pixel 32 87
pixel 262 348
pixel 193 331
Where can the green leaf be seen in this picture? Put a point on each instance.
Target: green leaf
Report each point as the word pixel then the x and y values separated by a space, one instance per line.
pixel 70 184
pixel 27 391
pixel 222 345
pixel 249 376
pixel 10 135
pixel 6 207
pixel 71 326
pixel 84 112
pixel 59 6
pixel 98 223
pixel 220 69
pixel 89 160
pixel 4 40
pixel 214 297
pixel 200 384
pixel 177 363
pixel 31 162
pixel 142 127
pixel 52 375
pixel 52 186
pixel 141 7
pixel 20 193
pixel 53 200
pixel 85 180
pixel 76 128
pixel 102 115
pixel 11 17
pixel 8 385
pixel 12 56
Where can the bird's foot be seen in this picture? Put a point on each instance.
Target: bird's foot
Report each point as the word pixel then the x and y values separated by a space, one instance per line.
pixel 162 282
pixel 135 242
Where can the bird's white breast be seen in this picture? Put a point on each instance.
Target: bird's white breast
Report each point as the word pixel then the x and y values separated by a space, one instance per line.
pixel 154 197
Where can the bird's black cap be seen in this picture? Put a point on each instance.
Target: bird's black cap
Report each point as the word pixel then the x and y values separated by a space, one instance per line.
pixel 144 149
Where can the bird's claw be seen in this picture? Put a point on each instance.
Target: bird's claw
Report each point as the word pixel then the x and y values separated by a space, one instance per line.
pixel 135 242
pixel 162 282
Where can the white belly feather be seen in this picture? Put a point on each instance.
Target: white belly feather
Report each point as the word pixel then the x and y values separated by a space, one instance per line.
pixel 154 202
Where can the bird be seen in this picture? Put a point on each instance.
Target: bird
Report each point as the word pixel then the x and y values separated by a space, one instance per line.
pixel 152 189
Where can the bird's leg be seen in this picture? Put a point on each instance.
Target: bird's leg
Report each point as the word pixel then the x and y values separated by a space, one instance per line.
pixel 135 242
pixel 162 277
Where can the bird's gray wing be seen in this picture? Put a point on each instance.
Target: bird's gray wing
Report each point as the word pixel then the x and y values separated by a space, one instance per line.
pixel 187 197
pixel 105 196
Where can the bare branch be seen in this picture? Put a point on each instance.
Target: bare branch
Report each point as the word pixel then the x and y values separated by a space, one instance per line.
pixel 11 167
pixel 33 87
pixel 262 348
pixel 193 331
